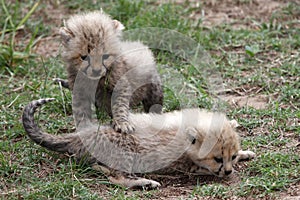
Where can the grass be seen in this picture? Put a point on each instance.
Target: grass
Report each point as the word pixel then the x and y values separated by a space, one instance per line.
pixel 251 62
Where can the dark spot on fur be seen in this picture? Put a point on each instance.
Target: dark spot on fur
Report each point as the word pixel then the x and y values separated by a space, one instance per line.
pixel 83 57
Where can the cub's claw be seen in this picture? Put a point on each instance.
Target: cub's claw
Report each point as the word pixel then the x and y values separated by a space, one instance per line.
pixel 123 127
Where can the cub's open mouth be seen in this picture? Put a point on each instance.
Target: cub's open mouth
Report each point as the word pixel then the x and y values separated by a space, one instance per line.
pixel 92 76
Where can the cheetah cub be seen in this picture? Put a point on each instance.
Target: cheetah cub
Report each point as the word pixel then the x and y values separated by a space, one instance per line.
pixel 106 71
pixel 190 141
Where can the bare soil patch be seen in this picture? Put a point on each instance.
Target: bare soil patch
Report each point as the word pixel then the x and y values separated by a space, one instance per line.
pixel 238 13
pixel 257 101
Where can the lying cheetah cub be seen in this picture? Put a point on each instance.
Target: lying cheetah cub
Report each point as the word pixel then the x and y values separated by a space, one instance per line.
pixel 107 71
pixel 189 141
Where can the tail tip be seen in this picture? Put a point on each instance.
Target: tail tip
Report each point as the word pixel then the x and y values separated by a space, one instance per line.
pixel 44 100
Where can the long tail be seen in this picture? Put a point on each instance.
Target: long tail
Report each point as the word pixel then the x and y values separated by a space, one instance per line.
pixel 59 143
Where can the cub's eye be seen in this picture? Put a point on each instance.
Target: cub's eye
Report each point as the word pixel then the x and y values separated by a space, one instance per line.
pixel 233 157
pixel 218 160
pixel 84 57
pixel 194 141
pixel 105 56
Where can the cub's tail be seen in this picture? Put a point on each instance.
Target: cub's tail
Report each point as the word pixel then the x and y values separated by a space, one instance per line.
pixel 59 143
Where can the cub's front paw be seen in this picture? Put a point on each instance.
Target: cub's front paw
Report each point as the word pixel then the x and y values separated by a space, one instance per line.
pixel 148 184
pixel 123 127
pixel 245 155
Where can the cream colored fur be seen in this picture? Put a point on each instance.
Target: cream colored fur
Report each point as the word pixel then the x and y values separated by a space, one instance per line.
pixel 187 141
pixel 105 70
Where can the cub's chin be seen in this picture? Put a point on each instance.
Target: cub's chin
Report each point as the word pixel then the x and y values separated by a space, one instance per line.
pixel 92 77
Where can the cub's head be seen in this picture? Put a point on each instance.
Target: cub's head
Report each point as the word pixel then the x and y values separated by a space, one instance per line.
pixel 214 145
pixel 90 41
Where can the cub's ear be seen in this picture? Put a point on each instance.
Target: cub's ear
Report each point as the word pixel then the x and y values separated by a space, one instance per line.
pixel 118 25
pixel 192 139
pixel 234 123
pixel 65 35
pixel 192 136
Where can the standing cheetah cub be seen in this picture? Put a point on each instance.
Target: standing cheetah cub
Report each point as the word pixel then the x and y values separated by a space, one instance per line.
pixel 107 71
pixel 187 141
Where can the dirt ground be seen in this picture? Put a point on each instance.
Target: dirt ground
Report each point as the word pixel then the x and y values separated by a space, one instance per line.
pixel 240 14
pixel 212 12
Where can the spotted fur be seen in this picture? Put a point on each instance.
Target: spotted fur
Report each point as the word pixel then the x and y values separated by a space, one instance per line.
pixel 187 141
pixel 107 71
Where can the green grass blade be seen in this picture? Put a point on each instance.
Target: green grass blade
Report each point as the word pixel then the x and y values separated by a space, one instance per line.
pixel 7 14
pixel 28 14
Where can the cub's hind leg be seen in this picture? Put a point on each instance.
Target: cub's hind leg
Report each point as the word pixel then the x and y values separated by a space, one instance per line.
pixel 134 182
pixel 129 182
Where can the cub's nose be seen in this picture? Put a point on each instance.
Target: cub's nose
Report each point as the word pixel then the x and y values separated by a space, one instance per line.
pixel 227 172
pixel 96 71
